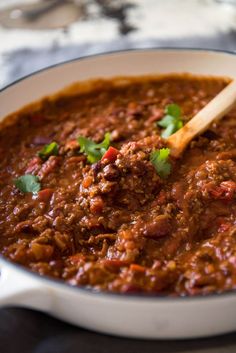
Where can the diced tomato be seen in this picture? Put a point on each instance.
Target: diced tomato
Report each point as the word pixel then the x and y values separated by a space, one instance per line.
pixel 96 204
pixel 111 154
pixel 44 195
pixel 87 182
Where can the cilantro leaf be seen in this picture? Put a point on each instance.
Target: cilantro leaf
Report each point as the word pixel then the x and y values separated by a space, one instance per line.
pixel 172 121
pixel 28 183
pixel 48 150
pixel 94 151
pixel 159 159
pixel 173 110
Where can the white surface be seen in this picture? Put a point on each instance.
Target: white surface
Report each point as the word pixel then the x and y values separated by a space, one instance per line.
pixel 182 18
pixel 120 315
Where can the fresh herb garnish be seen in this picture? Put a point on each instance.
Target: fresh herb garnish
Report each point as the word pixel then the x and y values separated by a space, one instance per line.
pixel 159 159
pixel 172 121
pixel 28 183
pixel 94 151
pixel 48 150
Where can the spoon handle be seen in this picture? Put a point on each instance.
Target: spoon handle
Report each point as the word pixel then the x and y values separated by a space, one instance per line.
pixel 215 109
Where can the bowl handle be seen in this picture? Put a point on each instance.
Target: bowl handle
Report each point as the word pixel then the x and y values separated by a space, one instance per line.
pixel 21 289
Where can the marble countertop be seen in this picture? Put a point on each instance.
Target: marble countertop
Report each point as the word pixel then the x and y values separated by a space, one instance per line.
pixel 127 24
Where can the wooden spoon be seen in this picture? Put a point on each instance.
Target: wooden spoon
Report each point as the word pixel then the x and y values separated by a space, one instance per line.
pixel 215 109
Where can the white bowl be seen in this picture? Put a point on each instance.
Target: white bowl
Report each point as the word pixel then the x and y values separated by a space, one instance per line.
pixel 125 315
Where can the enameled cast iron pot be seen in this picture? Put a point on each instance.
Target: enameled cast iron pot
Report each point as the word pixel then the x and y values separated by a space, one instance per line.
pixel 126 315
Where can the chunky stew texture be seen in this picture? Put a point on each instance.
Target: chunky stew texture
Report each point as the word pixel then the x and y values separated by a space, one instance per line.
pixel 90 194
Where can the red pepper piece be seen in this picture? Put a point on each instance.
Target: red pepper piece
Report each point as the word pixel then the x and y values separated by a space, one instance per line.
pixel 45 195
pixel 111 154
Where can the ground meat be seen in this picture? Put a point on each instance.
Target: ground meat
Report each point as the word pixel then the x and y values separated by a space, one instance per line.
pixel 116 224
pixel 131 180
